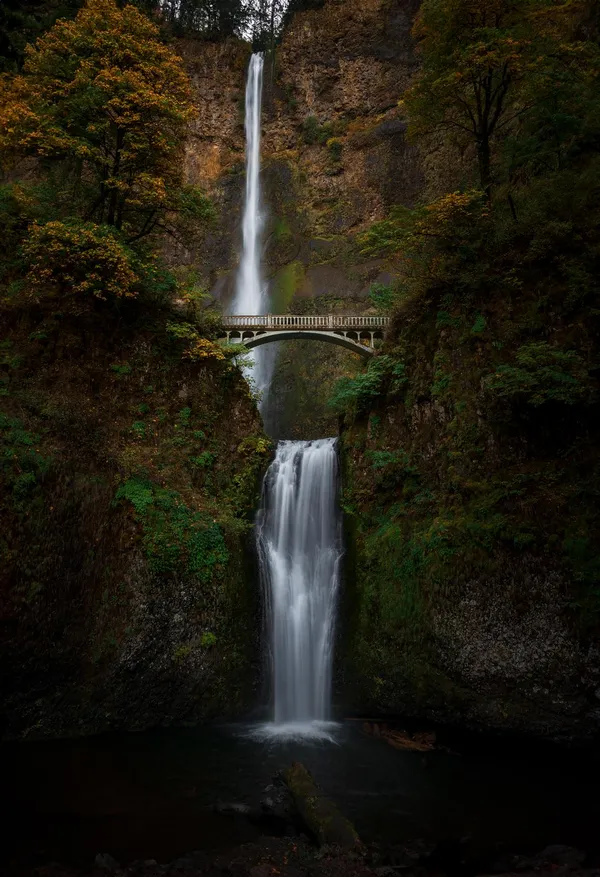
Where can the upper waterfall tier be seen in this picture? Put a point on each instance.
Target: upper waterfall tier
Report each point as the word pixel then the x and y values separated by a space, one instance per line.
pixel 249 288
pixel 251 294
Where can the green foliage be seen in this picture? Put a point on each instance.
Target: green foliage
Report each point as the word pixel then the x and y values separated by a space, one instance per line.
pixel 382 297
pixel 398 460
pixel 479 325
pixel 441 245
pixel 387 236
pixel 315 132
pixel 176 537
pixel 356 395
pixel 208 640
pixel 22 466
pixel 139 429
pixel 184 416
pixel 139 493
pixel 542 374
pixel 121 369
pixel 194 206
pixel 205 460
pixel 335 147
pixel 181 653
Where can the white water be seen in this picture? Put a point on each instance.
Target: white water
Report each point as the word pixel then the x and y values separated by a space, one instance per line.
pixel 251 296
pixel 300 549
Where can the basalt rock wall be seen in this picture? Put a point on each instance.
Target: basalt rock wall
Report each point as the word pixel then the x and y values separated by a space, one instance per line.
pixel 335 158
pixel 128 480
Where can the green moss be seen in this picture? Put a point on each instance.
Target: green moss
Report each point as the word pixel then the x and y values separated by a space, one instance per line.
pixel 176 538
pixel 121 369
pixel 542 374
pixel 286 284
pixel 182 653
pixel 22 466
pixel 315 132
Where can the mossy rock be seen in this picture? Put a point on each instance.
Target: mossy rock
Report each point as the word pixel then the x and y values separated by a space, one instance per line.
pixel 320 814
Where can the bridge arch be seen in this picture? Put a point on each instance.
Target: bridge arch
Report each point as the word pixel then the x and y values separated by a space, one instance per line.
pixel 355 332
pixel 258 339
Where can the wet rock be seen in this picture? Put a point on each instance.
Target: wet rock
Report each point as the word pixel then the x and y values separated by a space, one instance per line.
pixel 320 814
pixel 551 858
pixel 105 862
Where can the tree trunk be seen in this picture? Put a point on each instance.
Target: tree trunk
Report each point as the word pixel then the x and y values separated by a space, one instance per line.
pixel 484 163
pixel 114 195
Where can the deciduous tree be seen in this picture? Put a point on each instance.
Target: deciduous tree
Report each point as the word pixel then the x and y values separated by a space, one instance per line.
pixel 106 99
pixel 474 55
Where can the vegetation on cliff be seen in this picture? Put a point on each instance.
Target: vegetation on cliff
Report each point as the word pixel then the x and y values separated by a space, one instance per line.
pixel 130 448
pixel 477 423
pixel 261 21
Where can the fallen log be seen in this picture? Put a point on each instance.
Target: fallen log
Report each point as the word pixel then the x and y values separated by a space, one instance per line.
pixel 320 815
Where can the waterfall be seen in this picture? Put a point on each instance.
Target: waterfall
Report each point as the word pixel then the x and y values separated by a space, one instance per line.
pixel 251 296
pixel 300 548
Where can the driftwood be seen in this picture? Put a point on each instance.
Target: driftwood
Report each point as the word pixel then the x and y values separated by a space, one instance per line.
pixel 319 814
pixel 422 741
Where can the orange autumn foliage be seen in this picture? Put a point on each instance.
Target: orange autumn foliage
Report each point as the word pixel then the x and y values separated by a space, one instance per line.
pixel 104 94
pixel 79 258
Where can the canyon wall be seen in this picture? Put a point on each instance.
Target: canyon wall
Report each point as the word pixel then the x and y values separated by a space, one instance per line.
pixel 335 158
pixel 129 480
pixel 462 584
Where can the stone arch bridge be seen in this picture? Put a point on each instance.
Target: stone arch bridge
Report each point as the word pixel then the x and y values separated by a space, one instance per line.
pixel 357 333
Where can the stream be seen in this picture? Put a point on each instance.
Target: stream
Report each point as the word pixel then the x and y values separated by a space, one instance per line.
pixel 153 794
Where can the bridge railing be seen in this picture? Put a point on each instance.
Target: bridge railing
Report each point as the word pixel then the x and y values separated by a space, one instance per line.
pixel 305 321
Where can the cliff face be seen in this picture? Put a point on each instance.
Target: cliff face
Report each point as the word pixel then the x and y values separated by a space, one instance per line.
pixel 335 157
pixel 467 609
pixel 464 578
pixel 334 148
pixel 128 474
pixel 128 478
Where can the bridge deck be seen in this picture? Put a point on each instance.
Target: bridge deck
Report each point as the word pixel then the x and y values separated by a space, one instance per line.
pixel 326 322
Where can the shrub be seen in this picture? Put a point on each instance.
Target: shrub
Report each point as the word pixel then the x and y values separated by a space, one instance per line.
pixel 541 374
pixel 335 147
pixel 314 132
pixel 176 537
pixel 80 258
pixel 382 297
pixel 356 395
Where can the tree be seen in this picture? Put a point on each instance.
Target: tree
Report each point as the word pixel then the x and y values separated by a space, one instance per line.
pixel 22 21
pixel 102 97
pixel 267 19
pixel 474 55
pixel 211 19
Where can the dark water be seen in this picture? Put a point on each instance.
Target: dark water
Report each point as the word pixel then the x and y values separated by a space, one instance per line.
pixel 149 795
